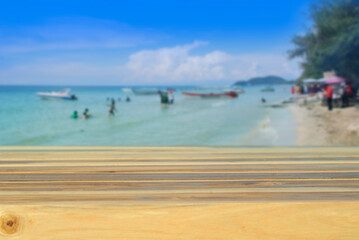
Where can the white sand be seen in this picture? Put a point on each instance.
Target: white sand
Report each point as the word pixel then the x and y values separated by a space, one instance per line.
pixel 316 126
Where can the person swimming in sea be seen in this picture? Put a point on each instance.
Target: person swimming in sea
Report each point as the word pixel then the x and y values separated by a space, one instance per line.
pixel 263 100
pixel 170 98
pixel 86 114
pixel 74 115
pixel 164 97
pixel 128 99
pixel 112 108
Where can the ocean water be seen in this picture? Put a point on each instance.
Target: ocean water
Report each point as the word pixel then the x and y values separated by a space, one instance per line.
pixel 26 119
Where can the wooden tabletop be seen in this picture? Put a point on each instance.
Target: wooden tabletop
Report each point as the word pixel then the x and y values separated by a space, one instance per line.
pixel 37 180
pixel 34 175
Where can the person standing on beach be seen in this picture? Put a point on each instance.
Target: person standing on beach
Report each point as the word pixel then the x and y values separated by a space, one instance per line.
pixel 349 91
pixel 345 95
pixel 329 93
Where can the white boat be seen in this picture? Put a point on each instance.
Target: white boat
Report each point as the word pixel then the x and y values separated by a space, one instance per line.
pixel 63 94
pixel 128 90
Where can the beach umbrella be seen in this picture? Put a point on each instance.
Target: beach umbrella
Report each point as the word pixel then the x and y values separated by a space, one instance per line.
pixel 334 80
pixel 322 80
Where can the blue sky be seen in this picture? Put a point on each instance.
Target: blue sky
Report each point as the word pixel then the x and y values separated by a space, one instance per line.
pixel 147 42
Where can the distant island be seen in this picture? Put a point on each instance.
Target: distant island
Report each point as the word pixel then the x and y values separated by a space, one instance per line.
pixel 270 80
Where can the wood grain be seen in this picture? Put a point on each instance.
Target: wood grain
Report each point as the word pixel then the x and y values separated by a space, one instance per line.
pixel 179 193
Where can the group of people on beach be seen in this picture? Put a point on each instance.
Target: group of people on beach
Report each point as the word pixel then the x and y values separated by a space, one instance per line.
pixel 345 91
pixel 305 89
pixel 341 94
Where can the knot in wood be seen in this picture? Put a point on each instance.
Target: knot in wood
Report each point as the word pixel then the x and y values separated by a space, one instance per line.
pixel 9 224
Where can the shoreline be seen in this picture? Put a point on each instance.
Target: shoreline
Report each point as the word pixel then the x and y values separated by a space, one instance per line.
pixel 316 126
pixel 277 128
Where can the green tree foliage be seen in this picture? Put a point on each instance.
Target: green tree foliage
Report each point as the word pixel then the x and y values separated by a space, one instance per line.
pixel 332 43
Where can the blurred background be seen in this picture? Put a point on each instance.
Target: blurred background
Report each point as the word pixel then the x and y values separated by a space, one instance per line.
pixel 178 73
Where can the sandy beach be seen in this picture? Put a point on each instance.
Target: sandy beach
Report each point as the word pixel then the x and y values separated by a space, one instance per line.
pixel 316 126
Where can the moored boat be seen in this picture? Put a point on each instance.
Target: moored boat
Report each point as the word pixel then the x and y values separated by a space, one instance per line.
pixel 127 90
pixel 211 95
pixel 63 94
pixel 268 89
pixel 145 91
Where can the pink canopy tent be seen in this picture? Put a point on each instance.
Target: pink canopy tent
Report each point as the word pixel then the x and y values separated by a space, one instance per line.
pixel 335 80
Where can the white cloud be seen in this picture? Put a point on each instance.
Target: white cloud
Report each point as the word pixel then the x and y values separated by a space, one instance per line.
pixel 176 64
pixel 172 65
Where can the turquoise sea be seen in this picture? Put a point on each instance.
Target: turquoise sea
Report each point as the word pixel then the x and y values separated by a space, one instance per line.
pixel 26 119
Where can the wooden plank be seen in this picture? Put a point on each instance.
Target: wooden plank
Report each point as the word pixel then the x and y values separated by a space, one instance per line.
pixel 179 193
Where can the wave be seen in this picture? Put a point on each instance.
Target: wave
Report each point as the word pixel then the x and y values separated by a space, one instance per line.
pixel 219 104
pixel 264 134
